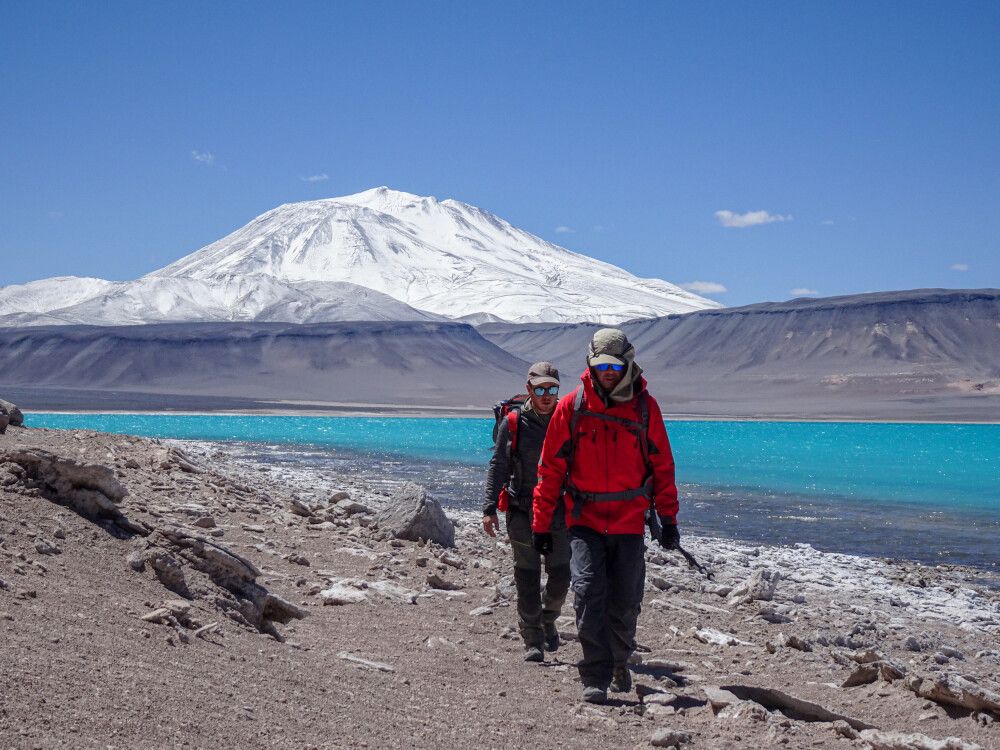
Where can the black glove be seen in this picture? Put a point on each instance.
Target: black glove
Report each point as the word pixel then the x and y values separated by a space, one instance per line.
pixel 671 537
pixel 542 542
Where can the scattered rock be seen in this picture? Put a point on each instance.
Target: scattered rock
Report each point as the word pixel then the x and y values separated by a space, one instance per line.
pixel 414 515
pixel 481 611
pixel 912 643
pixel 15 417
pixel 437 642
pixel 453 560
pixel 878 740
pixel 863 675
pixel 393 592
pixel 352 507
pixel 340 594
pixel 92 490
pixel 789 641
pixel 437 582
pixel 955 690
pixel 659 698
pixel 744 711
pixel 300 508
pixel 670 738
pixel 719 698
pixel 45 547
pixel 171 551
pixel 843 729
pixel 791 706
pixel 506 589
pixel 760 586
pixel 773 616
pixel 365 663
pixel 718 638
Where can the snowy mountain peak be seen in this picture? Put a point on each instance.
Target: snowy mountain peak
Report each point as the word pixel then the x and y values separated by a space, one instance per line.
pixel 419 256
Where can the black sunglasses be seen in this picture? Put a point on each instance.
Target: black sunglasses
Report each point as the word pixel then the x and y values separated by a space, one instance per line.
pixel 541 390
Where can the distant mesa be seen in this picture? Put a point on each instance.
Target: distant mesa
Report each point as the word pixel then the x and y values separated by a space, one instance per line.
pixel 377 255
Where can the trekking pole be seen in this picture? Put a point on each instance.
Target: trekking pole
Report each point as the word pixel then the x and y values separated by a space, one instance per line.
pixel 695 564
pixel 656 532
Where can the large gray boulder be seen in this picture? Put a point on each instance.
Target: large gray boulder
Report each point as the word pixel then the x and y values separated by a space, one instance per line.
pixel 16 418
pixel 414 515
pixel 4 421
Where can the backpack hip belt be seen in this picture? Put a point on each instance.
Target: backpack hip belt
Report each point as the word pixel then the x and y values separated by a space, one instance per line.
pixel 580 497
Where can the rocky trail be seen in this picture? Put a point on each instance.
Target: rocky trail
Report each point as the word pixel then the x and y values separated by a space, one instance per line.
pixel 160 594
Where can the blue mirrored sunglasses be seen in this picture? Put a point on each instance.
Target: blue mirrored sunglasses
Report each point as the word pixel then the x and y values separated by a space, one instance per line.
pixel 605 366
pixel 541 390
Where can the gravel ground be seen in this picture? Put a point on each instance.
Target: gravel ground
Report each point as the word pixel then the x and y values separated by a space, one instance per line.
pixel 190 612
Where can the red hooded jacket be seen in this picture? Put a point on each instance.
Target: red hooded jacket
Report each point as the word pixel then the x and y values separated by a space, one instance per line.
pixel 607 458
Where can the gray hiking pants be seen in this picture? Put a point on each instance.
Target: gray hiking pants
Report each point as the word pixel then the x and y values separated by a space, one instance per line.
pixel 538 609
pixel 609 573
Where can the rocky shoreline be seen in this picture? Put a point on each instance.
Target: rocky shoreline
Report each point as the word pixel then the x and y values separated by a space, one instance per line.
pixel 167 594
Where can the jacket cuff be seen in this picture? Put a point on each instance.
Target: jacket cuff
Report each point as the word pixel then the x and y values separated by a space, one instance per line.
pixel 490 509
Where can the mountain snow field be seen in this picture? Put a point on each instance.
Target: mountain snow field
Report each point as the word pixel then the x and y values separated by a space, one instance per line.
pixel 377 255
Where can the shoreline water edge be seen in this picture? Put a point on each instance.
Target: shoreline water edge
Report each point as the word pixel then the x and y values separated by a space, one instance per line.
pixel 413 644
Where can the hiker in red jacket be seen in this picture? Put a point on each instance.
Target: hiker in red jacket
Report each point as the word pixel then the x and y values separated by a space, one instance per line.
pixel 607 457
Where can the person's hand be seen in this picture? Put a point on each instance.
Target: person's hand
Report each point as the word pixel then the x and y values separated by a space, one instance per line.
pixel 542 542
pixel 671 537
pixel 491 524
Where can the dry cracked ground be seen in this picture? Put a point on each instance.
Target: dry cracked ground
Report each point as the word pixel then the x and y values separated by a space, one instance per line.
pixel 158 594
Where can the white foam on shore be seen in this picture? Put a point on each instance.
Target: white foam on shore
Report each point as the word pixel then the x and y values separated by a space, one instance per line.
pixel 844 586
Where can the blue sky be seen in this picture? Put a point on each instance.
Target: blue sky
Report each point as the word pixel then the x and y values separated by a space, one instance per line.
pixel 771 149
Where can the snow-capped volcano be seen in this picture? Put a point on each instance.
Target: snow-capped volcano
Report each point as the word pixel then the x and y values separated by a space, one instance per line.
pixel 379 254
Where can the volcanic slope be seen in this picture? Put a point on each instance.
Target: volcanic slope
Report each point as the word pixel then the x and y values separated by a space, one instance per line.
pixel 377 255
pixel 922 353
pixel 400 363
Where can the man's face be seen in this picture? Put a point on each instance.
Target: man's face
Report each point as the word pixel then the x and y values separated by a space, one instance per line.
pixel 609 378
pixel 545 403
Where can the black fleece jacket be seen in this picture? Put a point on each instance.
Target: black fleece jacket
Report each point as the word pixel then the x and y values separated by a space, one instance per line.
pixel 522 469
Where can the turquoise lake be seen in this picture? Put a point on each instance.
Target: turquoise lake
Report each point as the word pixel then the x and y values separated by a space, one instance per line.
pixel 923 491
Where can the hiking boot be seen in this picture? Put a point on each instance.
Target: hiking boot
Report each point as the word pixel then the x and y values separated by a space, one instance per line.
pixel 594 694
pixel 552 642
pixel 621 680
pixel 533 653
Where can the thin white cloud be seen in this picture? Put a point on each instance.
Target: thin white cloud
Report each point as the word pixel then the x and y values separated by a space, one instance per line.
pixel 827 222
pixel 749 219
pixel 203 156
pixel 801 291
pixel 704 287
pixel 562 229
pixel 959 267
pixel 316 178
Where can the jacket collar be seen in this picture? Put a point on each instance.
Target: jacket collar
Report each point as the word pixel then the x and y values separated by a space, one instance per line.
pixel 593 398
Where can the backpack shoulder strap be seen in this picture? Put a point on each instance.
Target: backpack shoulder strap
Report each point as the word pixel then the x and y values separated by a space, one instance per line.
pixel 513 420
pixel 577 408
pixel 643 405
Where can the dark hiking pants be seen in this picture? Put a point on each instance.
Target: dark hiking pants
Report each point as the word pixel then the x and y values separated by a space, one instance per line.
pixel 536 608
pixel 609 572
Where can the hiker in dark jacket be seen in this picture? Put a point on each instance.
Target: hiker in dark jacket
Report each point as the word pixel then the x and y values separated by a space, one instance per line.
pixel 607 459
pixel 517 472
